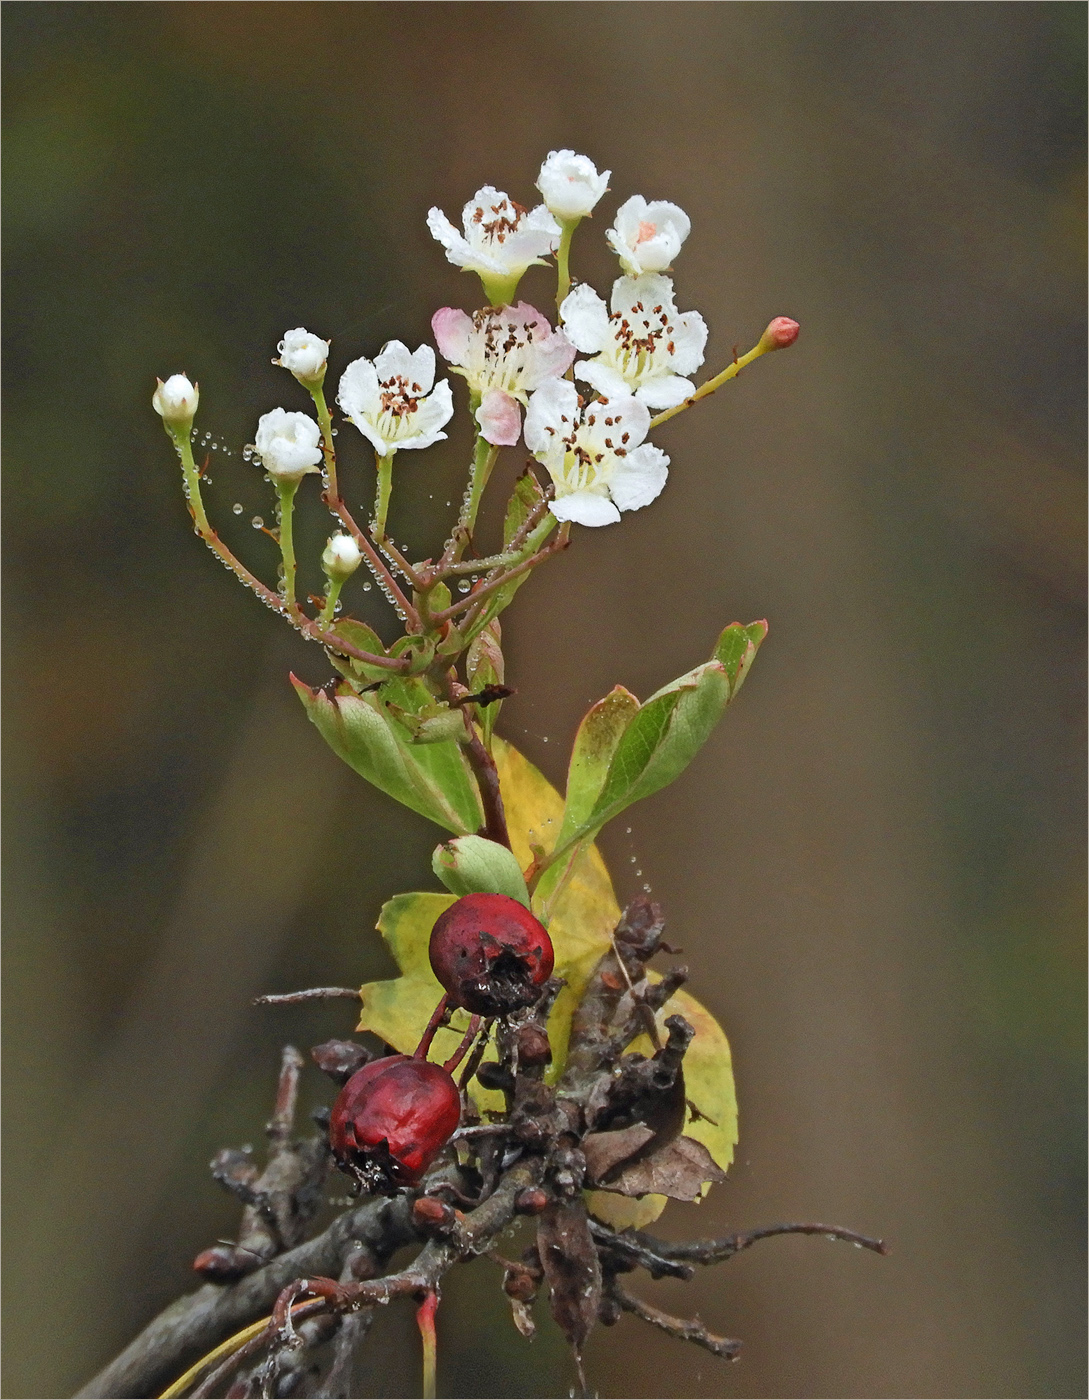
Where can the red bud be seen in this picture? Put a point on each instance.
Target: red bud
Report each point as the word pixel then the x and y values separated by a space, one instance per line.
pixel 780 333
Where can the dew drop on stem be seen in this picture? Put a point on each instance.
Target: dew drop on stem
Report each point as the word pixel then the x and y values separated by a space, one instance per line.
pixel 257 522
pixel 237 508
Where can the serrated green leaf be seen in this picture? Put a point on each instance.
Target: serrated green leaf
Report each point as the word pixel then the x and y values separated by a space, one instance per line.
pixel 431 779
pixel 596 741
pixel 473 864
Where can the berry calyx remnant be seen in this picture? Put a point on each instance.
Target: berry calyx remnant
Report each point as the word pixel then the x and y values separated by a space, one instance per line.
pixel 490 954
pixel 392 1119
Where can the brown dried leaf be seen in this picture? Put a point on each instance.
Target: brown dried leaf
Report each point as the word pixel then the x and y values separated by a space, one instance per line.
pixel 523 1318
pixel 604 1151
pixel 572 1268
pixel 679 1170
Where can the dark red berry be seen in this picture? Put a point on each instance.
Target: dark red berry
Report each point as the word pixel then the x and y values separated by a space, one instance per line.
pixel 392 1119
pixel 490 954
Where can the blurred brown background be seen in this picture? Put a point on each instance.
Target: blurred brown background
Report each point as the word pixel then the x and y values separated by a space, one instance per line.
pixel 876 866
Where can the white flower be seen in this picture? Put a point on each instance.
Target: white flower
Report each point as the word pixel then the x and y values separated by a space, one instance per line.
pixel 341 557
pixel 175 401
pixel 643 347
pixel 500 241
pixel 593 454
pixel 287 444
pixel 504 353
pixel 648 237
pixel 391 401
pixel 303 354
pixel 570 184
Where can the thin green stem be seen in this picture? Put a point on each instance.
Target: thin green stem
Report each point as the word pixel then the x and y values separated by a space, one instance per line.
pixel 529 562
pixel 563 259
pixel 191 477
pixel 382 493
pixel 286 490
pixel 331 599
pixel 325 423
pixel 712 384
pixel 484 459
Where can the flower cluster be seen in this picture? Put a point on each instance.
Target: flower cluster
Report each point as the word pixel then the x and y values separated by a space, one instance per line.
pixel 583 388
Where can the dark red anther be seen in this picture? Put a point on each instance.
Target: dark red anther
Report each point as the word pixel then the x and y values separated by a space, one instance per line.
pixel 392 1119
pixel 490 954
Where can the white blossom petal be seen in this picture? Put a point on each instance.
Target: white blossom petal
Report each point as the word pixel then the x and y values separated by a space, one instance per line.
pixel 499 418
pixel 585 508
pixel 500 239
pixel 585 320
pixel 303 354
pixel 602 378
pixel 452 329
pixel 665 392
pixel 639 478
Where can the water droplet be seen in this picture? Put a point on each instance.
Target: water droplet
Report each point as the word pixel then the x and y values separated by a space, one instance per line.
pixel 544 738
pixel 638 872
pixel 646 889
pixel 628 830
pixel 257 522
pixel 367 586
pixel 215 446
pixel 237 507
pixel 632 859
pixel 335 431
pixel 463 586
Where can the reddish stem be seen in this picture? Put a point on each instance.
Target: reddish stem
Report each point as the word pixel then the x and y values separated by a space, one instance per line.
pixel 437 1018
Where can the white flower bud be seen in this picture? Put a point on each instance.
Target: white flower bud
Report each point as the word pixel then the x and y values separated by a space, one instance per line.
pixel 175 401
pixel 341 557
pixel 287 444
pixel 570 184
pixel 304 355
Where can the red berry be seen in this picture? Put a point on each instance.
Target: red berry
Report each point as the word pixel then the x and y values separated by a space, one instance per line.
pixel 392 1119
pixel 490 954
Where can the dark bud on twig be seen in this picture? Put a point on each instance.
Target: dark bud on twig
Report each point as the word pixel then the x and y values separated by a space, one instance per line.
pixel 493 1075
pixel 531 1201
pixel 533 1046
pixel 340 1059
pixel 432 1216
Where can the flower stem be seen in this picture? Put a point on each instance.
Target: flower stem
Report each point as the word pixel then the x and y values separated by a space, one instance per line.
pixel 484 459
pixel 712 384
pixel 425 1320
pixel 191 478
pixel 326 614
pixel 287 491
pixel 382 494
pixel 563 258
pixel 325 422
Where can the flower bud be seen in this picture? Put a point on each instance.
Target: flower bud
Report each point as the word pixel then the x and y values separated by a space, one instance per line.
pixel 304 355
pixel 176 402
pixel 287 444
pixel 570 184
pixel 780 333
pixel 341 557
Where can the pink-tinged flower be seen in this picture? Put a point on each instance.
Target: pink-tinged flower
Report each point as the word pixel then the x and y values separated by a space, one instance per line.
pixel 500 239
pixel 781 333
pixel 594 454
pixel 391 400
pixel 643 346
pixel 647 237
pixel 570 184
pixel 504 353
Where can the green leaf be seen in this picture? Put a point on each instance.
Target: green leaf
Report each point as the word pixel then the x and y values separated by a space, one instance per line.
pixel 657 743
pixel 736 648
pixel 595 744
pixel 473 864
pixel 432 779
pixel 359 635
pixel 527 495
